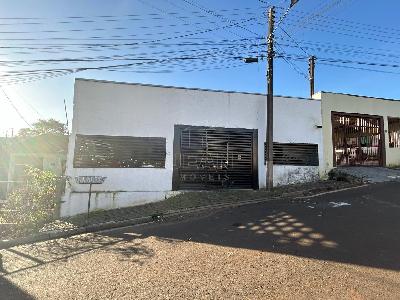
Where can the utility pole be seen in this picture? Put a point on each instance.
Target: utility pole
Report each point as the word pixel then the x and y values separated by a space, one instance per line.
pixel 312 75
pixel 66 116
pixel 269 145
pixel 270 101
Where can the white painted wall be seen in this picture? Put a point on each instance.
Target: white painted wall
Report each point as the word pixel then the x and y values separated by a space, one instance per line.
pixel 109 108
pixel 296 121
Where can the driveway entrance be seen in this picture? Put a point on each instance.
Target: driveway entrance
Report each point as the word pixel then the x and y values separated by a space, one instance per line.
pixel 214 158
pixel 358 140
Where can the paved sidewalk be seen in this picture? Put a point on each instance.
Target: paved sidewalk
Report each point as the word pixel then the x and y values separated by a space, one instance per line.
pixel 189 202
pixel 372 174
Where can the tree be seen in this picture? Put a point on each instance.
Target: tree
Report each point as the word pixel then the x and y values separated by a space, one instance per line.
pixel 33 203
pixel 41 127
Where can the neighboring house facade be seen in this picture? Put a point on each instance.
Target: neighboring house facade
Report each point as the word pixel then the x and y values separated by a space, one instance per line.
pixel 152 142
pixel 45 152
pixel 360 131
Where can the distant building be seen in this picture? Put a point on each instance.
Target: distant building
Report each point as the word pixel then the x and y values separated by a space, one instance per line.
pixel 45 152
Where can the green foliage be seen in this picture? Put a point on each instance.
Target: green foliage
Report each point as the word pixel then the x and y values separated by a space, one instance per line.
pixel 41 127
pixel 32 205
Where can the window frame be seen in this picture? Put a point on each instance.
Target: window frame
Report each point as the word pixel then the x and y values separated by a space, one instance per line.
pixel 394 142
pixel 119 144
pixel 299 154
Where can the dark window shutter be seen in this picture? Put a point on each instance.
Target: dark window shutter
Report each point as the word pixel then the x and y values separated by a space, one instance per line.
pixel 100 151
pixel 295 154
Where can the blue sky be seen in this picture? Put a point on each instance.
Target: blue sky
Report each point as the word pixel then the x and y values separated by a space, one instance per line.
pixel 347 30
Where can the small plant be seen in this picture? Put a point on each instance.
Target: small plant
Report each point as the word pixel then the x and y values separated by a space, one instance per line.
pixel 394 166
pixel 32 205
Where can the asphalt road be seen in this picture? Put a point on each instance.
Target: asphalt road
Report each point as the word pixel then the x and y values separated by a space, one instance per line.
pixel 342 245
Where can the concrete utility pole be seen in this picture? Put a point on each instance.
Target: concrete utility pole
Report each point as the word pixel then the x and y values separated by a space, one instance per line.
pixel 270 101
pixel 312 75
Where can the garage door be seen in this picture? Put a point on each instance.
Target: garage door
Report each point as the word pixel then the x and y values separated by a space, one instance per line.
pixel 357 139
pixel 214 158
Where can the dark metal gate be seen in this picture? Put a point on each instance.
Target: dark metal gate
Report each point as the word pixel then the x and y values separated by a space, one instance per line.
pixel 357 140
pixel 214 158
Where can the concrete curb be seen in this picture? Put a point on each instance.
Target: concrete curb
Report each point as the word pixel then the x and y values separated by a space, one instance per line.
pixel 169 215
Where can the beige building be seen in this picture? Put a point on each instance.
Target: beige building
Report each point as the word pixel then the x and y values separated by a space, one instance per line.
pixel 359 130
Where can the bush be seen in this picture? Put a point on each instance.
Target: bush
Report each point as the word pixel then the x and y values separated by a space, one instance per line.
pixel 32 205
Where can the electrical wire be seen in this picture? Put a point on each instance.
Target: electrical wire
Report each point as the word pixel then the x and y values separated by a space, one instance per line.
pixel 350 23
pixel 39 73
pixel 318 14
pixel 14 107
pixel 354 28
pixel 162 54
pixel 28 103
pixel 173 3
pixel 359 68
pixel 211 12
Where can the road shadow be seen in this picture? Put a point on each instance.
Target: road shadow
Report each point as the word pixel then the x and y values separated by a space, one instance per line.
pixel 25 257
pixel 360 226
pixel 9 291
pixel 366 232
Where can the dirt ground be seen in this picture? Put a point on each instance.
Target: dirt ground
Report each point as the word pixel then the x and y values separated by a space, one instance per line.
pixel 343 245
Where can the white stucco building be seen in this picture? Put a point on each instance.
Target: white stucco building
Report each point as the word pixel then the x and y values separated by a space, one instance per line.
pixel 153 141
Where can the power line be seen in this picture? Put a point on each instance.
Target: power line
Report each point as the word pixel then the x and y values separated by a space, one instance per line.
pixel 39 73
pixel 297 69
pixel 341 61
pixel 352 24
pixel 200 58
pixel 318 14
pixel 186 57
pixel 14 107
pixel 359 68
pixel 349 52
pixel 136 56
pixel 118 18
pixel 351 34
pixel 211 12
pixel 297 44
pixel 352 29
pixel 128 57
pixel 173 3
pixel 28 103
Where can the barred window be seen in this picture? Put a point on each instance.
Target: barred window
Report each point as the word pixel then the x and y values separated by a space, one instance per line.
pixel 100 151
pixel 394 132
pixel 295 154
